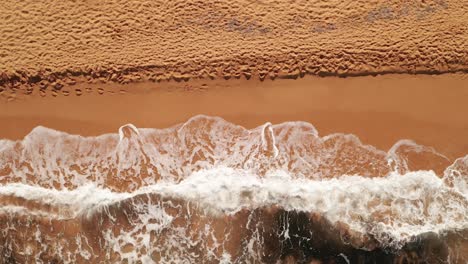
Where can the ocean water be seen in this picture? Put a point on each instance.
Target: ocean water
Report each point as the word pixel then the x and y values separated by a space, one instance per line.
pixel 209 191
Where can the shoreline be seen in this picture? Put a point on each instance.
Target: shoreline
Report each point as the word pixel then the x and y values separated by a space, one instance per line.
pixel 380 110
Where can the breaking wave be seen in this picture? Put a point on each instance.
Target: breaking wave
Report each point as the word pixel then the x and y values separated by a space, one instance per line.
pixel 208 191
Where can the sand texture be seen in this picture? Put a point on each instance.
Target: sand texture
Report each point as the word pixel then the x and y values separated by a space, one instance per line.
pixel 188 131
pixel 45 44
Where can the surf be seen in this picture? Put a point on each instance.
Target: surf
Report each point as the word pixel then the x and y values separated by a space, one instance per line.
pixel 211 191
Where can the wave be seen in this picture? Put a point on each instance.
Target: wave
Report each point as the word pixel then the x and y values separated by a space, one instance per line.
pixel 208 191
pixel 134 158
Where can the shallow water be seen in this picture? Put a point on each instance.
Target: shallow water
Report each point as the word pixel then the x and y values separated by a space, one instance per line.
pixel 208 191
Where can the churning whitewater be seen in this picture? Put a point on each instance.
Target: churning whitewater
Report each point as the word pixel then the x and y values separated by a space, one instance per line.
pixel 208 191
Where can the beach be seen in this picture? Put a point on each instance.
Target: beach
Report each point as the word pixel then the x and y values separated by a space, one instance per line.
pixel 234 131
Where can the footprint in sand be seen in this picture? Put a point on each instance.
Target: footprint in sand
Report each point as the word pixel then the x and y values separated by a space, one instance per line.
pixel 78 92
pixel 42 93
pixel 28 91
pixel 54 93
pixel 203 87
pixel 11 97
pixel 66 93
pixel 88 90
pixel 100 90
pixel 122 92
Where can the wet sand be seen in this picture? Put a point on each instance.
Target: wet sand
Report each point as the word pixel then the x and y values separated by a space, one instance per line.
pixel 430 109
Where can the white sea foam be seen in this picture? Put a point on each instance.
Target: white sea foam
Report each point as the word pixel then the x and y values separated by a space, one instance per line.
pixel 399 206
pixel 224 169
pixel 72 202
pixel 395 207
pixel 135 158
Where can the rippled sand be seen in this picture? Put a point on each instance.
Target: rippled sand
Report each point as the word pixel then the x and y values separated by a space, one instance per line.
pixel 127 41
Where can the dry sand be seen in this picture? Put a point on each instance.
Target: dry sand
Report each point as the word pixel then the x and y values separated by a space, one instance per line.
pixel 128 40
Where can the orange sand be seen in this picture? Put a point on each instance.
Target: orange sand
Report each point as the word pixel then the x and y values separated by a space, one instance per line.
pixel 128 40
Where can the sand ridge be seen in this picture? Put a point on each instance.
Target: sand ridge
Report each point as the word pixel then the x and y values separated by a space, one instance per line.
pixel 46 46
